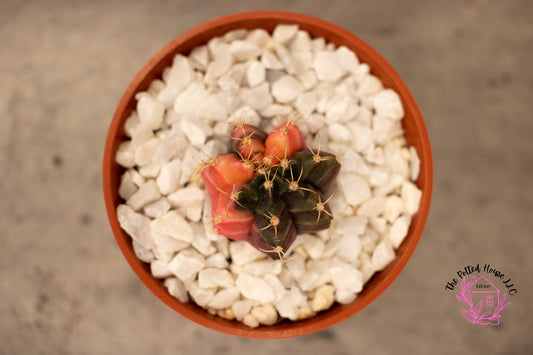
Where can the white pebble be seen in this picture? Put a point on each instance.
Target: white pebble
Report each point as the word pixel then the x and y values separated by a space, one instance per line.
pixel 189 164
pixel 181 73
pixel 245 114
pixel 127 186
pixel 324 298
pixel 345 276
pixel 411 196
pixel 299 297
pixel 215 107
pixel 257 97
pixel 311 277
pixel 339 133
pixel 244 50
pixel 345 296
pixel 347 59
pixel 177 289
pixel 217 260
pixel 355 225
pixel 276 110
pixel 125 155
pixel 361 136
pixel 142 253
pixel 147 193
pixel 327 66
pixel 250 321
pixel 382 255
pixel 194 212
pixel 284 33
pixel 201 296
pixel 171 146
pixel 255 288
pixel 287 307
pixel 186 264
pixel 169 177
pixel 387 103
pixel 301 42
pixel 190 99
pixel 306 104
pixel 145 152
pixel 398 231
pixel 232 80
pixel 376 156
pixel 171 224
pixel 131 124
pixel 296 265
pixel 313 246
pixel 159 268
pixel 136 225
pixel 373 207
pixel 150 170
pixel 223 60
pixel 354 188
pixel 370 85
pixel 286 89
pixel 189 196
pixel 224 298
pixel 265 314
pixel 308 79
pixel 263 267
pixel 167 244
pixel 256 73
pixel 258 36
pixel 200 54
pixel 200 241
pixel 237 34
pixel 150 111
pixel 349 247
pixel 271 61
pixel 194 133
pixel 353 162
pixel 277 286
pixel 213 277
pixel 243 253
pixel 393 208
pixel 241 308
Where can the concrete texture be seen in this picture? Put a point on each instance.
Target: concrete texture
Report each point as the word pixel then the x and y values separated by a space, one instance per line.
pixel 65 287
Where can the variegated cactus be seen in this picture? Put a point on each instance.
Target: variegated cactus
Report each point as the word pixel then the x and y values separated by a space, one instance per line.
pixel 269 188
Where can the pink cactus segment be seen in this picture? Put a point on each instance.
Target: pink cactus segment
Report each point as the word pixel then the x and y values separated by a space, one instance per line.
pixel 226 171
pixel 228 221
pixel 285 140
pixel 214 182
pixel 254 150
pixel 233 169
pixel 248 141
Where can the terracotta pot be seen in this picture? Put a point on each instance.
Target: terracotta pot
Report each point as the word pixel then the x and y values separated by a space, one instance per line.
pixel 415 132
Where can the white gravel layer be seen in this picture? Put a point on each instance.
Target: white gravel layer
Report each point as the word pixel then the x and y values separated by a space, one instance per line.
pixel 253 75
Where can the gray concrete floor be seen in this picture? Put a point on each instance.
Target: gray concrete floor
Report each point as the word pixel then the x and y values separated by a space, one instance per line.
pixel 65 287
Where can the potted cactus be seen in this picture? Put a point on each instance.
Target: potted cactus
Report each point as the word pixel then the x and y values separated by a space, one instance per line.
pixel 270 187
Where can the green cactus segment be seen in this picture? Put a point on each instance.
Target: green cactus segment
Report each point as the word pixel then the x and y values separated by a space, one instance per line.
pixel 273 230
pixel 290 198
pixel 308 208
pixel 319 169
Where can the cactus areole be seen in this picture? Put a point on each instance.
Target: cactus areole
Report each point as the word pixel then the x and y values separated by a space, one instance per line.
pixel 270 187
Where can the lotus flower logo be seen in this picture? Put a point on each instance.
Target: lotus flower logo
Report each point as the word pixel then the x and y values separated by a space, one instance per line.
pixel 485 301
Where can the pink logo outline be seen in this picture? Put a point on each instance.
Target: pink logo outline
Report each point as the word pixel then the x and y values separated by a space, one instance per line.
pixel 493 296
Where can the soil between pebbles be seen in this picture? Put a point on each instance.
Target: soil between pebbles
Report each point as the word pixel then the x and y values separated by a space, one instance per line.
pixel 185 117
